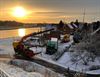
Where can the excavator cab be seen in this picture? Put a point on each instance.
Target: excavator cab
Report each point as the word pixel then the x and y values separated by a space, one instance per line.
pixel 22 50
pixel 15 44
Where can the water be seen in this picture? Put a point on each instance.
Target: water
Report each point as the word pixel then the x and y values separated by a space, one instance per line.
pixel 18 32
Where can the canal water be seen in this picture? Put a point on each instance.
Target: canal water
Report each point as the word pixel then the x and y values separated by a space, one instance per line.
pixel 18 32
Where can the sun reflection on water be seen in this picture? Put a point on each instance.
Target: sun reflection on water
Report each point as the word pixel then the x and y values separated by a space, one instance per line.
pixel 21 32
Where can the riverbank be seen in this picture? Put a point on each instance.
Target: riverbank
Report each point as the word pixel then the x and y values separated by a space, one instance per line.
pixel 11 28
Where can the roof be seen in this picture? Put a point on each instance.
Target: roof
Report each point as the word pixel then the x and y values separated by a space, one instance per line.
pixel 72 26
pixel 75 25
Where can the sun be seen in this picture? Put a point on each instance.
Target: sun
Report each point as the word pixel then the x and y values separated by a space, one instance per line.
pixel 19 12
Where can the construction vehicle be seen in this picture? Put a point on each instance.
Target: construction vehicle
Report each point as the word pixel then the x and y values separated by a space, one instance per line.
pixel 24 51
pixel 52 46
pixel 66 38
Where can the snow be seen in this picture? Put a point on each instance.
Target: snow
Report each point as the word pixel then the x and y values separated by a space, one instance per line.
pixel 13 71
pixel 94 72
pixel 23 68
pixel 37 49
pixel 64 60
pixel 6 46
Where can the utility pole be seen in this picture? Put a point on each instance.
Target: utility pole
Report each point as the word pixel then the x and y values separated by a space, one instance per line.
pixel 83 15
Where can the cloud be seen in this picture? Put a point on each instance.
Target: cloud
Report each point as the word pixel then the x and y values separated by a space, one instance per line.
pixel 65 13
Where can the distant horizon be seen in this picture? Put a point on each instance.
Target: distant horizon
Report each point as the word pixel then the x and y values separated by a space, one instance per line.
pixel 50 11
pixel 48 22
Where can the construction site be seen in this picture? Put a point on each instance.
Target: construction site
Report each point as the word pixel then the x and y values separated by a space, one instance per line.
pixel 65 50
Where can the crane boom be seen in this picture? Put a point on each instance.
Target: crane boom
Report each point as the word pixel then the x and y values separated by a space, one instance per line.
pixel 33 34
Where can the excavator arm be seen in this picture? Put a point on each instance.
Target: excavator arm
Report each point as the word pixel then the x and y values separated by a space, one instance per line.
pixel 20 48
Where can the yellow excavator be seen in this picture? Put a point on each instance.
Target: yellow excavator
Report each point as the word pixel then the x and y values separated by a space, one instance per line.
pixel 24 51
pixel 66 38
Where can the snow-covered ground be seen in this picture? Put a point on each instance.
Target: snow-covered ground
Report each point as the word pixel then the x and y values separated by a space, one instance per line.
pixel 6 45
pixel 6 48
pixel 78 66
pixel 13 71
pixel 64 60
pixel 22 68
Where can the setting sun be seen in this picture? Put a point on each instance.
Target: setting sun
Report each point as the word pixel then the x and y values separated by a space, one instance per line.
pixel 19 12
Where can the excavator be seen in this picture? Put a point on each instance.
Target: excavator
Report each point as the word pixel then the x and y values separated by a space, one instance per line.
pixel 66 38
pixel 24 51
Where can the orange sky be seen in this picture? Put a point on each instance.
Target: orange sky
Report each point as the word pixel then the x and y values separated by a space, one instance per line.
pixel 51 11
